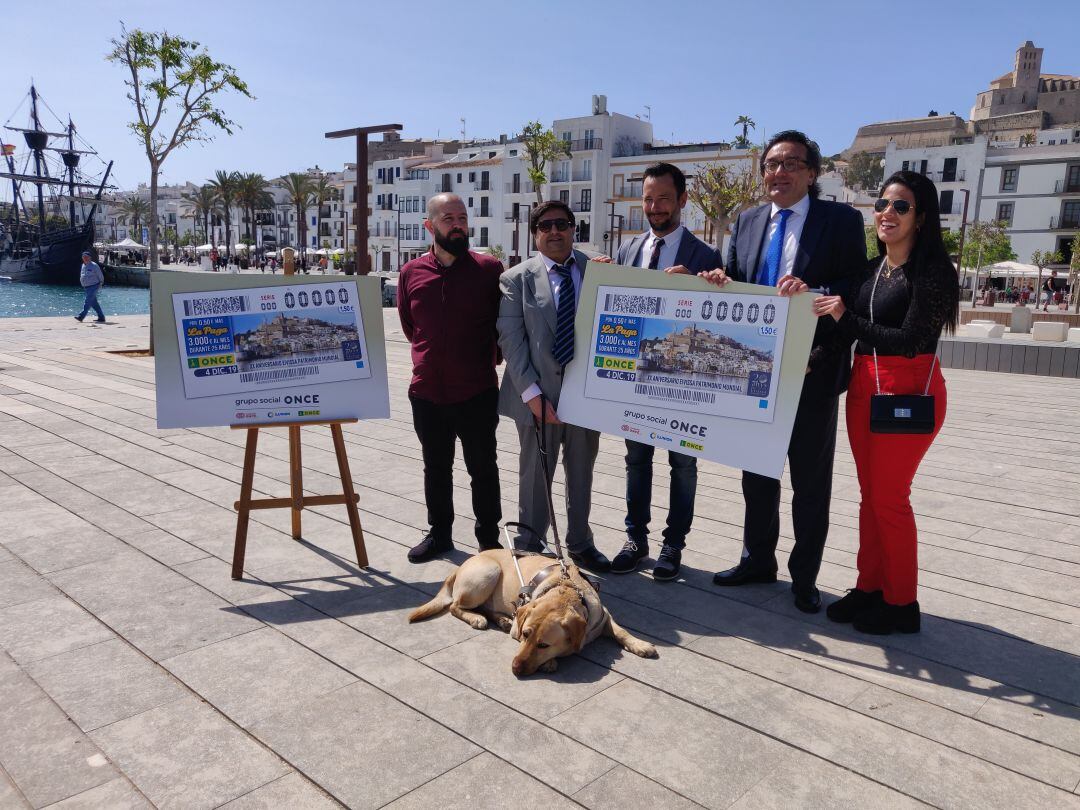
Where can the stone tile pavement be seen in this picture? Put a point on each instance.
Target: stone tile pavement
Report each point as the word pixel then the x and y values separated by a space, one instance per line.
pixel 135 673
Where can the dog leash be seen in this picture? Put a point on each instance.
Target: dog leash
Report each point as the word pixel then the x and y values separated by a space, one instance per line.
pixel 541 443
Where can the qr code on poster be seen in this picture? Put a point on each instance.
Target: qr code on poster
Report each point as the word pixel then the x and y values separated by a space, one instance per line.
pixel 221 305
pixel 634 304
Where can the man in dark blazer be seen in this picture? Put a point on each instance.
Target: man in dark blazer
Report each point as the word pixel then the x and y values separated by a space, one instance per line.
pixel 795 242
pixel 536 335
pixel 668 247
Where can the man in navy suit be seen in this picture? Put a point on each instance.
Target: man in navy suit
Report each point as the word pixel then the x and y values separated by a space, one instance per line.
pixel 669 247
pixel 794 242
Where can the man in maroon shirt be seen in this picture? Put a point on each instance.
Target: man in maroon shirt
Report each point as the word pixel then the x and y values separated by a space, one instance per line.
pixel 448 301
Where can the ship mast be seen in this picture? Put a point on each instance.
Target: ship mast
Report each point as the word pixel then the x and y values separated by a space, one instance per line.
pixel 71 160
pixel 36 141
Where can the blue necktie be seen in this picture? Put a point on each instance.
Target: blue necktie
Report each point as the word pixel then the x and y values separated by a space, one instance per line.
pixel 776 251
pixel 563 349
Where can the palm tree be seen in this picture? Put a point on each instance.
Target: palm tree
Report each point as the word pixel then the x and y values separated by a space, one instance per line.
pixel 300 190
pixel 202 204
pixel 225 186
pixel 135 209
pixel 321 191
pixel 253 197
pixel 744 121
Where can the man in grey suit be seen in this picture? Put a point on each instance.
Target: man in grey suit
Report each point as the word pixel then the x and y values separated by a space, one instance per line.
pixel 536 335
pixel 668 247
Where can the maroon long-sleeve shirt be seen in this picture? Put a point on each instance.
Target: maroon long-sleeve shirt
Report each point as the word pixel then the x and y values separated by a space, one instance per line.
pixel 448 315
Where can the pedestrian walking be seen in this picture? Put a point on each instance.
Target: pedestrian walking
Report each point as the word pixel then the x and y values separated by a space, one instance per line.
pixel 91 278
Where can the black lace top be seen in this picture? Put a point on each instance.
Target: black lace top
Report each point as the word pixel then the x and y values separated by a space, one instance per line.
pixel 909 310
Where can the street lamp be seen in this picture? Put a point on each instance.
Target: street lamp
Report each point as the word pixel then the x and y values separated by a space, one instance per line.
pixel 361 135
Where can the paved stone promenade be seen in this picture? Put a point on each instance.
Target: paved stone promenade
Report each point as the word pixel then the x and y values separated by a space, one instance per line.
pixel 134 672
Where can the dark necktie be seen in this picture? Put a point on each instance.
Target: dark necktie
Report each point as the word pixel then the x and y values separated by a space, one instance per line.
pixel 563 348
pixel 776 250
pixel 654 259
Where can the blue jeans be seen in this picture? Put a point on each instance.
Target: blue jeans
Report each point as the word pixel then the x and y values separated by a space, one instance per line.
pixel 639 471
pixel 91 301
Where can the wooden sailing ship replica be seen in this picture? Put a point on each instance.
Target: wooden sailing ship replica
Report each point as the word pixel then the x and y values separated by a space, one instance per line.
pixel 37 242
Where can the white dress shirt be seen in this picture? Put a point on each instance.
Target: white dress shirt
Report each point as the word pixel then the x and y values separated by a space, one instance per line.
pixel 556 281
pixel 792 234
pixel 667 252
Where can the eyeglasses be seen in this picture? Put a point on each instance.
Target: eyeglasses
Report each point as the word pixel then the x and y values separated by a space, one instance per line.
pixel 545 225
pixel 901 207
pixel 789 164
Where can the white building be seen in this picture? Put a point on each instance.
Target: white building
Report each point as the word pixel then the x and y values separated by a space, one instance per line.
pixel 623 217
pixel 1036 191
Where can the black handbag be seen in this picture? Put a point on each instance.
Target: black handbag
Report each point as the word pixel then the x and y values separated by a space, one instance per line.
pixel 900 413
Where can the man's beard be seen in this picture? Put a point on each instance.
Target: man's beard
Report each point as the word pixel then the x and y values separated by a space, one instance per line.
pixel 665 225
pixel 454 245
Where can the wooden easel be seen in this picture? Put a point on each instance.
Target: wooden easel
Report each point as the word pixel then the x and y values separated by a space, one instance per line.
pixel 297 500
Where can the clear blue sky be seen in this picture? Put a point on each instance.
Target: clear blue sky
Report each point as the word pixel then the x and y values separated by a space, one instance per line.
pixel 826 68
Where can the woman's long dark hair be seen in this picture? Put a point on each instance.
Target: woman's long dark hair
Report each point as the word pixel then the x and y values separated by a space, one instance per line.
pixel 928 254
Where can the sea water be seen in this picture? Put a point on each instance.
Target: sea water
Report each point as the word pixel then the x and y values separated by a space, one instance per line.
pixel 19 300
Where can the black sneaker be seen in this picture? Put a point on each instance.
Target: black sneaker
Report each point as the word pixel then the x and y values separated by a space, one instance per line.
pixel 667 564
pixel 882 619
pixel 490 545
pixel 429 548
pixel 845 609
pixel 79 318
pixel 632 553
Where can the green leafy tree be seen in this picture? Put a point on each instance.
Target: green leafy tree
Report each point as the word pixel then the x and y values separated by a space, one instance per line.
pixel 498 252
pixel 1042 259
pixel 984 243
pixel 226 187
pixel 864 171
pixel 871 240
pixel 541 148
pixel 174 85
pixel 722 193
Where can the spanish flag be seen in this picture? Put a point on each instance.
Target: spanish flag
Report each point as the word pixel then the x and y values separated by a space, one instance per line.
pixel 7 149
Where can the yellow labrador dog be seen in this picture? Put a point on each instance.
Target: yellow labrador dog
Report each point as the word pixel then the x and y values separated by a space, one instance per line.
pixel 564 615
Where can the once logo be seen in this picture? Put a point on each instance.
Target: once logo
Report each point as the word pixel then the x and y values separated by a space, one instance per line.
pixel 301 399
pixel 690 445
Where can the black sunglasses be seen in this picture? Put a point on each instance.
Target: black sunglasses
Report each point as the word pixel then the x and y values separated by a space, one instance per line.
pixel 901 207
pixel 560 225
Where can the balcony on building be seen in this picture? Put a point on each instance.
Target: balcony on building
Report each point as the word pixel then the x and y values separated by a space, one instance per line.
pixel 418 174
pixel 585 144
pixel 1068 186
pixel 581 207
pixel 560 177
pixel 945 176
pixel 580 177
pixel 1068 222
pixel 631 191
pixel 482 185
pixel 951 210
pixel 480 213
pixel 520 188
pixel 446 188
pixel 385 205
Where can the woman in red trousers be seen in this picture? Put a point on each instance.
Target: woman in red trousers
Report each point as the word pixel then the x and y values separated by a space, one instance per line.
pixel 909 294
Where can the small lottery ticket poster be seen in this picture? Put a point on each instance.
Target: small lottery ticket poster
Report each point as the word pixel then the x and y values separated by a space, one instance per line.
pixel 674 362
pixel 273 351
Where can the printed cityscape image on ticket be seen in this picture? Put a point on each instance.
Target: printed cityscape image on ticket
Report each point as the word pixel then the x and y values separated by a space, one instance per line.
pixel 263 338
pixel 706 353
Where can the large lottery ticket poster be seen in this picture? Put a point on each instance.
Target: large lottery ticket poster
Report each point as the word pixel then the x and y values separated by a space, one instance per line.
pixel 251 350
pixel 676 363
